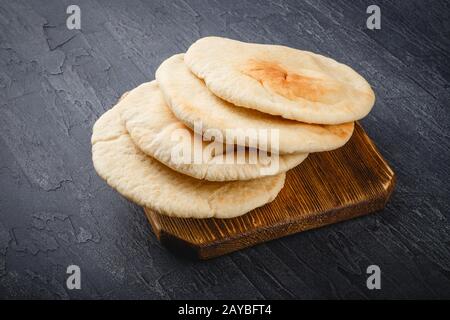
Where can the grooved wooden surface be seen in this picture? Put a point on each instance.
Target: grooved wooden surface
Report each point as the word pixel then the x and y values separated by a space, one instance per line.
pixel 326 188
pixel 55 211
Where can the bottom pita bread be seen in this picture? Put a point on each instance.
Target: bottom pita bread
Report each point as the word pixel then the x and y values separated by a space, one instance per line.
pixel 149 183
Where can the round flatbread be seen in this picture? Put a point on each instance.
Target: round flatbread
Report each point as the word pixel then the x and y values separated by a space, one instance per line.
pixel 158 133
pixel 278 80
pixel 191 101
pixel 149 183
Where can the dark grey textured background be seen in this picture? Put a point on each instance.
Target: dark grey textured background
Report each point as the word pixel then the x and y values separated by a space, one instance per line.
pixel 55 211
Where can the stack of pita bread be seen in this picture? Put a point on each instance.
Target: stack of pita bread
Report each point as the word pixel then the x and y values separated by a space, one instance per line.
pixel 310 101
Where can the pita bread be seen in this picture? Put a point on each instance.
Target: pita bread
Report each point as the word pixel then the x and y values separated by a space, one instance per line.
pixel 149 183
pixel 191 101
pixel 278 80
pixel 157 132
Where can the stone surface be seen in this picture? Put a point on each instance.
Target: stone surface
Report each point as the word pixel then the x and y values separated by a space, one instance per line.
pixel 55 211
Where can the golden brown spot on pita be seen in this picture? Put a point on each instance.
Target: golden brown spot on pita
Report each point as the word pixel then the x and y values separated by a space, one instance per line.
pixel 291 85
pixel 341 130
pixel 187 108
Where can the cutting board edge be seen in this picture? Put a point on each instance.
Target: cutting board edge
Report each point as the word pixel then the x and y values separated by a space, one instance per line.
pixel 282 229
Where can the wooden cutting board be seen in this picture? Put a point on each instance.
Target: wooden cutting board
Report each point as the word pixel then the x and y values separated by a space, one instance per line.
pixel 326 188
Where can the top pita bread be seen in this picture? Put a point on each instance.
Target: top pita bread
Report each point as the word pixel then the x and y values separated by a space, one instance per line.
pixel 156 131
pixel 149 183
pixel 191 101
pixel 278 80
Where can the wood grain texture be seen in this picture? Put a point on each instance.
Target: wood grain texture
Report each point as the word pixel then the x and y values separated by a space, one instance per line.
pixel 326 188
pixel 55 211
